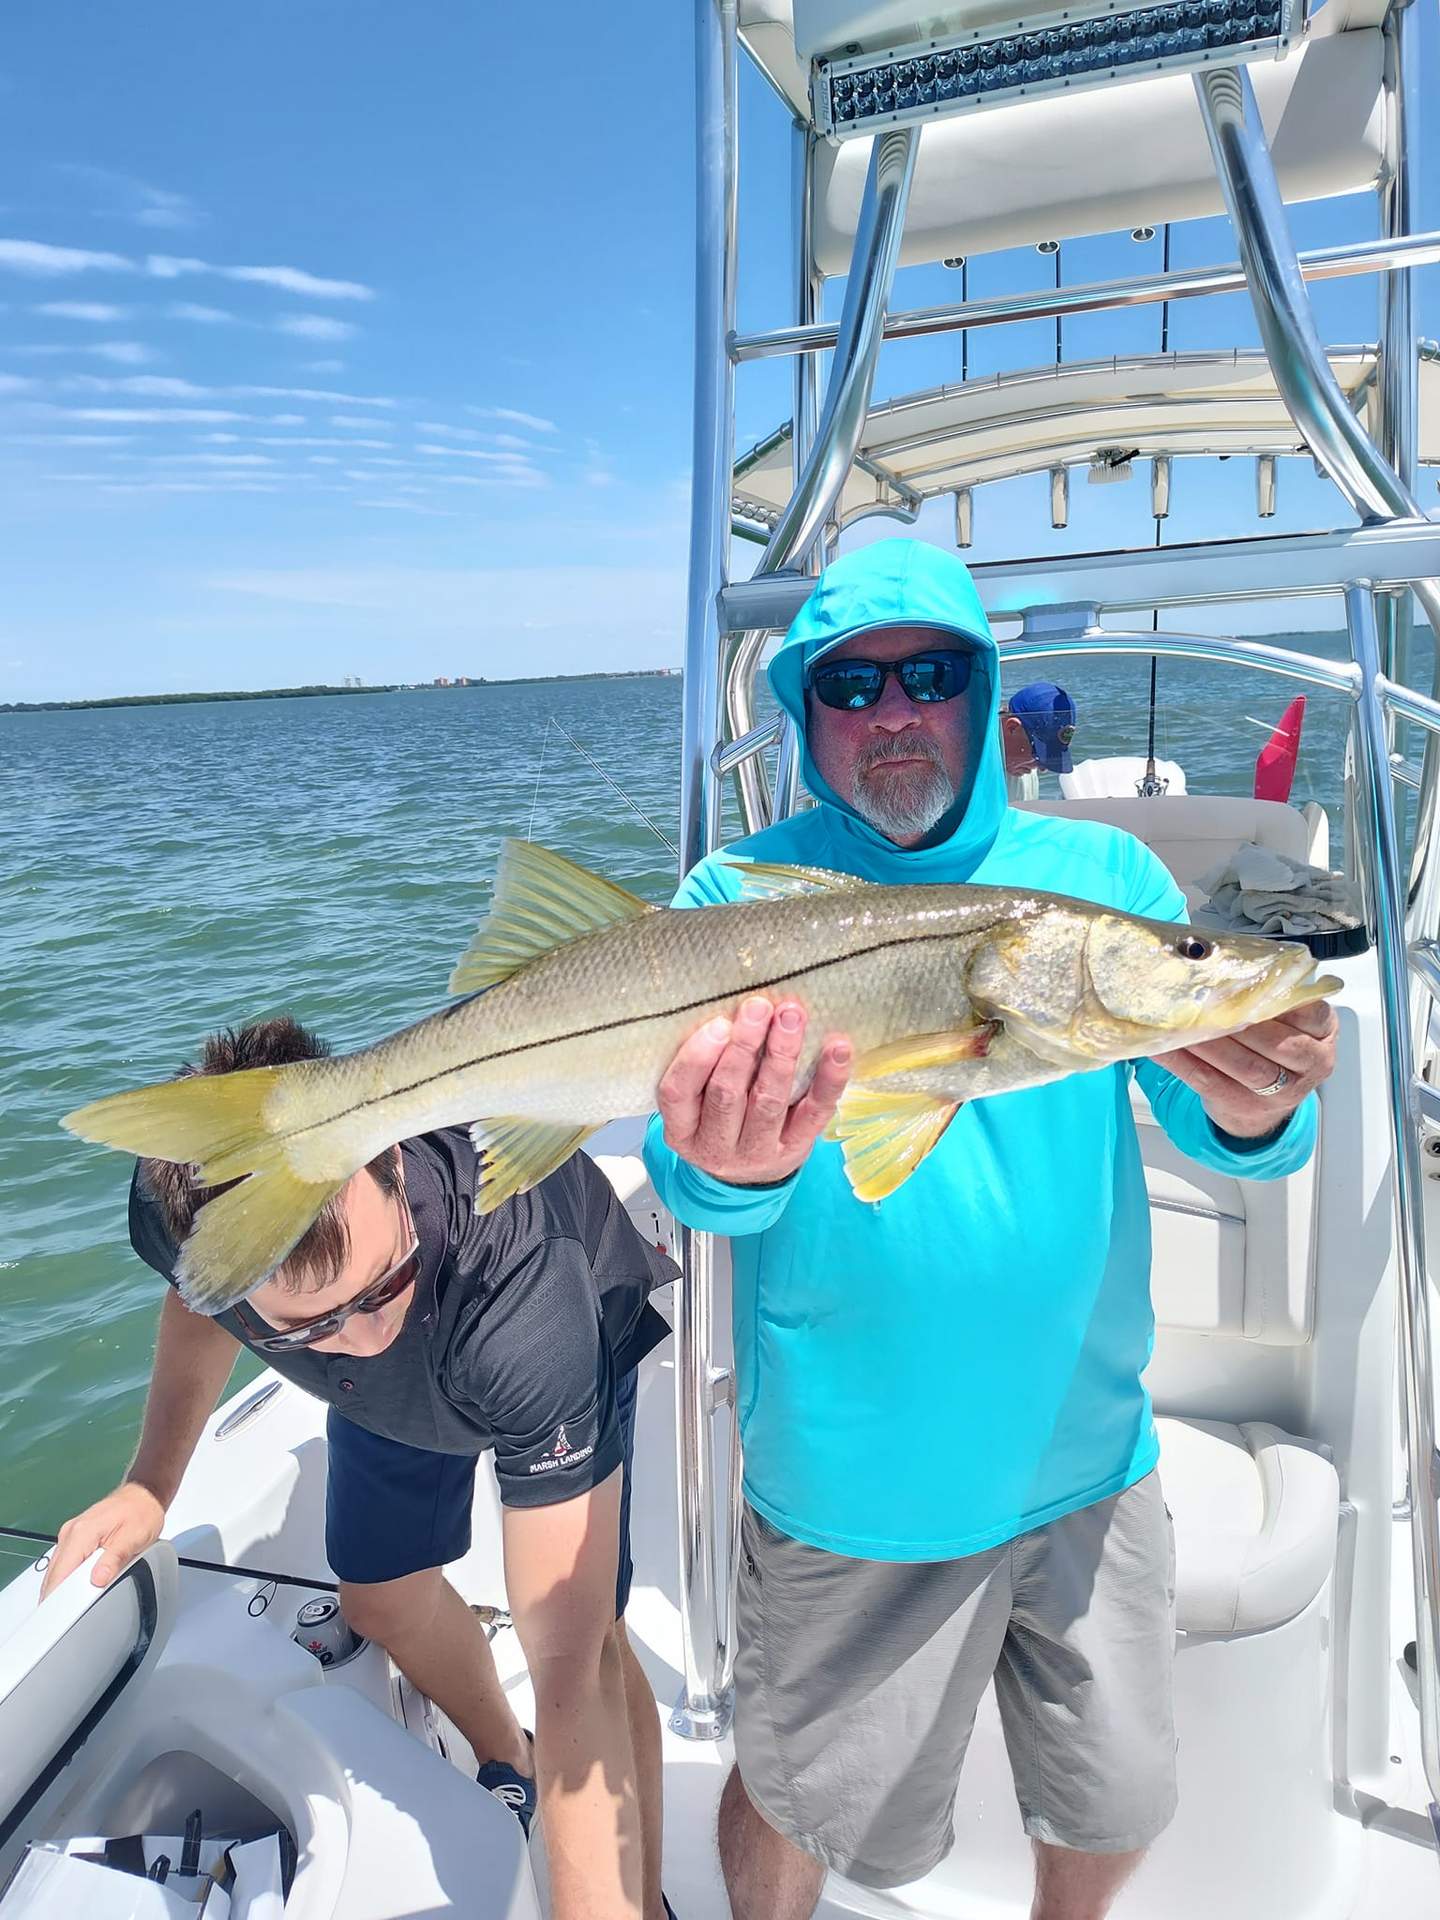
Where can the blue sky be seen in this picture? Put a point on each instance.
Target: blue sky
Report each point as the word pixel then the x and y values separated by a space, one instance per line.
pixel 321 353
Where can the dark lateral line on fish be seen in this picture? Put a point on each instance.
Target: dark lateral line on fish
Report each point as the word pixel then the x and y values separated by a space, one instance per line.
pixel 614 1026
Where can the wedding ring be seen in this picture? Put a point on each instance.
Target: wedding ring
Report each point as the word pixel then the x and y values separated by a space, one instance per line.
pixel 1282 1079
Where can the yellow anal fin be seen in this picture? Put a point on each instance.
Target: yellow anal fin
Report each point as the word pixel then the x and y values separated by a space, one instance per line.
pixel 542 901
pixel 767 880
pixel 921 1050
pixel 242 1235
pixel 885 1136
pixel 516 1155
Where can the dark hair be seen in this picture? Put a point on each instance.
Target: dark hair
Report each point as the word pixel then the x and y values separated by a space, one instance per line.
pixel 325 1245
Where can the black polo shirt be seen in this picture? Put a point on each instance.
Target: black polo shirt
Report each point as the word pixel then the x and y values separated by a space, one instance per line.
pixel 520 1325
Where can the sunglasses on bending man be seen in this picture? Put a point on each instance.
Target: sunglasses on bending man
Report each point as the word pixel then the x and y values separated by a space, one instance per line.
pixel 940 673
pixel 391 1284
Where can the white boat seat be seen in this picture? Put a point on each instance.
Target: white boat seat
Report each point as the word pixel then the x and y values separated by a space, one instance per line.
pixel 1192 831
pixel 1256 1512
pixel 1061 165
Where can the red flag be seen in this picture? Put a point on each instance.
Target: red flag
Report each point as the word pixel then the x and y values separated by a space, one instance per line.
pixel 1275 769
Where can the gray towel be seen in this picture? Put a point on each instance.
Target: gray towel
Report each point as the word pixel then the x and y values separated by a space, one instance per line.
pixel 1256 890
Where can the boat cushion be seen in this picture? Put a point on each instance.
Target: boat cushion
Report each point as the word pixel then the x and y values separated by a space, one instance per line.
pixel 1255 1512
pixel 1191 832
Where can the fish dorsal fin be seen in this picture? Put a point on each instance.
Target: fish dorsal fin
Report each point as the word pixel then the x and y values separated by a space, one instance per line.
pixel 766 880
pixel 885 1135
pixel 542 901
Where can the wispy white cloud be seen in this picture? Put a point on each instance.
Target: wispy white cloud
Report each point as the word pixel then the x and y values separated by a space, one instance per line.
pixel 449 433
pixel 408 506
pixel 470 453
pixel 320 394
pixel 159 385
pixel 151 416
pixel 315 326
pixel 92 310
pixel 44 262
pixel 69 439
pixel 510 440
pixel 15 383
pixel 531 420
pixel 295 280
pixel 120 353
pixel 135 200
pixel 218 459
pixel 355 421
pixel 323 366
pixel 597 467
pixel 321 440
pixel 202 316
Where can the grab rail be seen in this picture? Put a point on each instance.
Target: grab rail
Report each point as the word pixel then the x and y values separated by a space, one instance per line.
pixel 1386 912
pixel 842 421
pixel 1098 296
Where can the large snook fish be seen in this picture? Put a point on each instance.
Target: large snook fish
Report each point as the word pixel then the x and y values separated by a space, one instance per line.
pixel 579 995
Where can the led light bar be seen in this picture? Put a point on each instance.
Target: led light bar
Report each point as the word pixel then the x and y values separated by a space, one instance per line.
pixel 1045 53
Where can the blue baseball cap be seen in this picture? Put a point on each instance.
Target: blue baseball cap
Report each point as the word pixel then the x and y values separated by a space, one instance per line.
pixel 1047 714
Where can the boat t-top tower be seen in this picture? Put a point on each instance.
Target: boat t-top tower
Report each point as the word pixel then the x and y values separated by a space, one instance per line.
pixel 937 134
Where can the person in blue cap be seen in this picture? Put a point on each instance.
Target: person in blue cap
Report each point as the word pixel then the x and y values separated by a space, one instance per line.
pixel 1037 724
pixel 949 1451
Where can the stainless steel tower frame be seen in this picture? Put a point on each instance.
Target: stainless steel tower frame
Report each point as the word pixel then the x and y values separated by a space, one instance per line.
pixel 1395 549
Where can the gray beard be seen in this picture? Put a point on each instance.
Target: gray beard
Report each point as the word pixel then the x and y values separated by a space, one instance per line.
pixel 907 803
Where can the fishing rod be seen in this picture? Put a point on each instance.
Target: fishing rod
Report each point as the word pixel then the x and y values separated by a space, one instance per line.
pixel 200 1566
pixel 634 806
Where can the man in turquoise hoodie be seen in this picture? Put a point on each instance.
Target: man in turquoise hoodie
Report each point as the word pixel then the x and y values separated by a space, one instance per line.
pixel 949 1454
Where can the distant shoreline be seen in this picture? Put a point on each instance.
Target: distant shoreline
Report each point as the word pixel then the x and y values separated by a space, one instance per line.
pixel 323 692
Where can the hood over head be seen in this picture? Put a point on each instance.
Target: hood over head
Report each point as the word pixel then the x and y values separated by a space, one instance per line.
pixel 901 583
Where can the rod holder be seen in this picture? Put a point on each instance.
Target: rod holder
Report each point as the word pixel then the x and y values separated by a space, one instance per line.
pixel 1160 487
pixel 1059 496
pixel 964 516
pixel 1265 486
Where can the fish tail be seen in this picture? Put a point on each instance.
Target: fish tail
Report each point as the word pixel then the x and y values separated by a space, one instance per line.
pixel 214 1122
pixel 222 1124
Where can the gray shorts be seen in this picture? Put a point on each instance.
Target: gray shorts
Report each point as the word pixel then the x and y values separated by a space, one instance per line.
pixel 857 1683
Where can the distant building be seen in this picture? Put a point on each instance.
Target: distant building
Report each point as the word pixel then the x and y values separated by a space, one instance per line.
pixel 441 680
pixel 462 680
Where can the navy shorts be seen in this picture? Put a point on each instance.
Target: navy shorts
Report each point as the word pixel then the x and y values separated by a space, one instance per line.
pixel 391 1510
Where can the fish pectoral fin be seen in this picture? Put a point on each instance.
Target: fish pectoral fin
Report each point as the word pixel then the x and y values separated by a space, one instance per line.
pixel 766 880
pixel 542 901
pixel 885 1135
pixel 517 1154
pixel 921 1050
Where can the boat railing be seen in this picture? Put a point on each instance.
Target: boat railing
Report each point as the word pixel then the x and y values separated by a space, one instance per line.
pixel 1058 602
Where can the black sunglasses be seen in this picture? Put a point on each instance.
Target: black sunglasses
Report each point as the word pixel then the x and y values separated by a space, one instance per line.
pixel 391 1284
pixel 851 685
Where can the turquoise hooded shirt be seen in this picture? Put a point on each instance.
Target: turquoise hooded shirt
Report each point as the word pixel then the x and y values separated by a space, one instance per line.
pixel 933 1375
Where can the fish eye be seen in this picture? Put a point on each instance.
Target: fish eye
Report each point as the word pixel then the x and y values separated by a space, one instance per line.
pixel 1192 947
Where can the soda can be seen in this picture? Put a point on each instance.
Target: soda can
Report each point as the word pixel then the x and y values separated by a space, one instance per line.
pixel 323 1630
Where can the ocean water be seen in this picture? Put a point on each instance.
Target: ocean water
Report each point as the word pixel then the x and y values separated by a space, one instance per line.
pixel 166 870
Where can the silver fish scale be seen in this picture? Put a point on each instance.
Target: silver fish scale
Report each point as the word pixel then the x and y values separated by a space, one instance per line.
pixel 583 1033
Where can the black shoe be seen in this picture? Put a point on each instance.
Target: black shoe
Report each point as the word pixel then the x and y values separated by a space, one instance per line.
pixel 512 1789
pixel 669 1910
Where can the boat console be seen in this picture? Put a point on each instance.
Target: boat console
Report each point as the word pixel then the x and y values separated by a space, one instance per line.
pixel 124 1711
